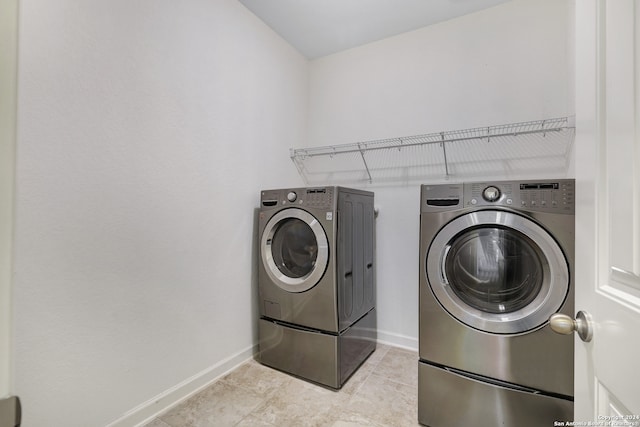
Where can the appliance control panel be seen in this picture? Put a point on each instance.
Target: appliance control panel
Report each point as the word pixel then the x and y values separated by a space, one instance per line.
pixel 320 197
pixel 554 196
pixel 534 195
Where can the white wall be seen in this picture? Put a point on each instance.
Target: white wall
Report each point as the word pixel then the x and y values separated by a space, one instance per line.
pixel 504 64
pixel 145 131
pixel 8 90
pixel 510 63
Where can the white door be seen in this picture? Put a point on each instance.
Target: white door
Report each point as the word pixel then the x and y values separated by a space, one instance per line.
pixel 608 209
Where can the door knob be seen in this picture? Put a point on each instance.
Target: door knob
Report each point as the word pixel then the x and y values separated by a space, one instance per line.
pixel 565 325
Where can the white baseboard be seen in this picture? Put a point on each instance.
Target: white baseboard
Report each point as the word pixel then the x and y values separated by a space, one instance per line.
pixel 150 409
pixel 398 340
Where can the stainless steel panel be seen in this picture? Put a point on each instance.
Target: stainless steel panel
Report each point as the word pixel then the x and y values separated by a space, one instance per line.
pixel 541 360
pixel 355 256
pixel 307 354
pixel 356 344
pixel 322 358
pixel 448 399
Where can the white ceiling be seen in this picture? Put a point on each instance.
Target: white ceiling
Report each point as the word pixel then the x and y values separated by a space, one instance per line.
pixel 322 27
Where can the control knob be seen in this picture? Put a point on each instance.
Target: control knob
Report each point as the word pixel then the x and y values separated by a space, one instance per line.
pixel 491 194
pixel 292 196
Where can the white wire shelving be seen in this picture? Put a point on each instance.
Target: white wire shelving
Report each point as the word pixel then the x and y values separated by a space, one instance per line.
pixel 541 146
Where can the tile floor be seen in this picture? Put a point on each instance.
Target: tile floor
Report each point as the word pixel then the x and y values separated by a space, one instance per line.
pixel 383 392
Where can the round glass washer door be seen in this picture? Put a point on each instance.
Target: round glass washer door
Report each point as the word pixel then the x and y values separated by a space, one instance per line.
pixel 497 272
pixel 295 251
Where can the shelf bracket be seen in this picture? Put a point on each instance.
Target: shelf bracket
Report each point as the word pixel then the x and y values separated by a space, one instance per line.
pixel 364 161
pixel 444 152
pixel 297 160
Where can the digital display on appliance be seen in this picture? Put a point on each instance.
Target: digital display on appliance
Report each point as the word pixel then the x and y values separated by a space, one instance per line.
pixel 545 186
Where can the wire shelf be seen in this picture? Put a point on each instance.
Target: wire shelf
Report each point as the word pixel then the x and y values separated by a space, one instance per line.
pixel 536 146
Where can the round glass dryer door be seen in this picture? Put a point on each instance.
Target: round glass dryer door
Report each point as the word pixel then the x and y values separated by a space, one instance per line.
pixel 295 251
pixel 497 272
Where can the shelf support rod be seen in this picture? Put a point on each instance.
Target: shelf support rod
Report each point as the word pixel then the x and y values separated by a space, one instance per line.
pixel 444 152
pixel 297 161
pixel 364 161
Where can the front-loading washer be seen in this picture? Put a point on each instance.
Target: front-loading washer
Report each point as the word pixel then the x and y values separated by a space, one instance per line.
pixel 316 281
pixel 496 261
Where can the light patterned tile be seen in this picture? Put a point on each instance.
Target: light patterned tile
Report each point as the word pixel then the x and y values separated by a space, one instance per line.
pixel 355 381
pixel 221 404
pixel 384 402
pixel 378 354
pixel 350 418
pixel 399 365
pixel 357 420
pixel 258 378
pixel 362 373
pixel 300 403
pixel 381 393
pixel 254 421
pixel 157 423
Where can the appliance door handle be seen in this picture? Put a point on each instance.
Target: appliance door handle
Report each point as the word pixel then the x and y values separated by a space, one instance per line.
pixel 443 264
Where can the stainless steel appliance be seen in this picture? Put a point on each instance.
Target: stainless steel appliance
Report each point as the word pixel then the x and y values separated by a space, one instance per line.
pixel 316 282
pixel 496 261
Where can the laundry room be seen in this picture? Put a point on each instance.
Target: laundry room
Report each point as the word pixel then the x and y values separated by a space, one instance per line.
pixel 142 141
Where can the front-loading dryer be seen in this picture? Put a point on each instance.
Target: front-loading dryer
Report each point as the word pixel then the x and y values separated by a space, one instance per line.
pixel 316 281
pixel 496 261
